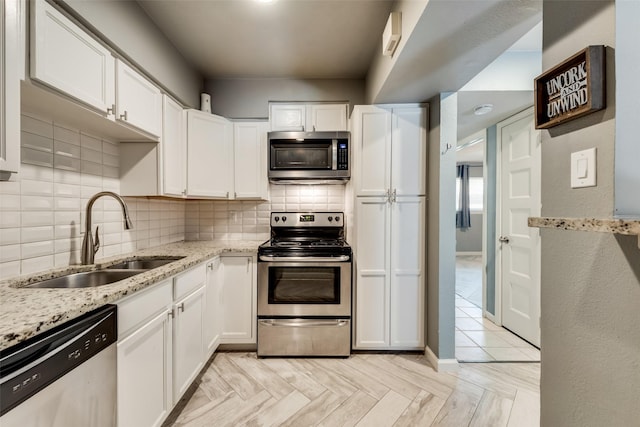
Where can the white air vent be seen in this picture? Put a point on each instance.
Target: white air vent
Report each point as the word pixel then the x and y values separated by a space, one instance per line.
pixel 392 33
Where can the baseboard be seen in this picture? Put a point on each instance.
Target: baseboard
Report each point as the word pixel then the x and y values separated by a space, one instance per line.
pixel 469 253
pixel 440 365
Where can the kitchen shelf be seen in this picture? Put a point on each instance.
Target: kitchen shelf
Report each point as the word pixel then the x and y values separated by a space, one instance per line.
pixel 610 225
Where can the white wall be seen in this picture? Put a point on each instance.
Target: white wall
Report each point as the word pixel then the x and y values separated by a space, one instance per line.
pixel 42 209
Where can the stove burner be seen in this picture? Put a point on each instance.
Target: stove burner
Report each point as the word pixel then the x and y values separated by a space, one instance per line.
pixel 286 244
pixel 332 242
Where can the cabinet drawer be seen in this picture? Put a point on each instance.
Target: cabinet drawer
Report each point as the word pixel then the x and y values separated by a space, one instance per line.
pixel 189 281
pixel 143 306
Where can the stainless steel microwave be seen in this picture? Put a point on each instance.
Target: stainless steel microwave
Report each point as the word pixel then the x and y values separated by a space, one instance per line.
pixel 309 157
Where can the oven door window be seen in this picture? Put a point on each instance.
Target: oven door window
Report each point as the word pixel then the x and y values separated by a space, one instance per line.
pixel 304 285
pixel 295 156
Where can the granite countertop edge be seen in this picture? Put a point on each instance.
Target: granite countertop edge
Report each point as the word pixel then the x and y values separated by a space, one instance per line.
pixel 27 312
pixel 601 225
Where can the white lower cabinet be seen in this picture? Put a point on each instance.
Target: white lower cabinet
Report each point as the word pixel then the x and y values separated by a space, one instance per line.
pixel 144 357
pixel 212 324
pixel 239 299
pixel 390 276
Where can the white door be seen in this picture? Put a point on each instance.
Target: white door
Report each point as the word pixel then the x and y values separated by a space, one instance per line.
pixel 138 101
pixel 250 160
pixel 409 151
pixel 326 117
pixel 518 244
pixel 9 86
pixel 66 58
pixel 239 300
pixel 208 155
pixel 173 149
pixel 372 273
pixel 407 272
pixel 144 374
pixel 372 150
pixel 188 344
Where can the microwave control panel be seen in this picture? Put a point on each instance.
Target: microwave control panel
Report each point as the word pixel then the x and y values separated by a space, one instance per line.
pixel 343 156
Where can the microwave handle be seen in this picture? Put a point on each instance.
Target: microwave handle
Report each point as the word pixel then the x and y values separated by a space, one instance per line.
pixel 334 154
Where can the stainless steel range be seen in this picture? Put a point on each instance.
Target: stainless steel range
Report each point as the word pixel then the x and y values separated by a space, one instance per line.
pixel 304 286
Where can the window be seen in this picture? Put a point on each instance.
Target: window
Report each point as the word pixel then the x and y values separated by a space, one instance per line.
pixel 476 194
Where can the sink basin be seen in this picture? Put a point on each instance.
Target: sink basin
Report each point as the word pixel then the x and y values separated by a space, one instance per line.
pixel 87 279
pixel 142 264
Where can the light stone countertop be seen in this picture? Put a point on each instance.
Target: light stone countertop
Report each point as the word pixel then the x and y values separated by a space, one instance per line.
pixel 610 225
pixel 26 312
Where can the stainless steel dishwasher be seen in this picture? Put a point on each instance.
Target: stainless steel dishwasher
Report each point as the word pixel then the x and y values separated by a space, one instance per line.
pixel 63 377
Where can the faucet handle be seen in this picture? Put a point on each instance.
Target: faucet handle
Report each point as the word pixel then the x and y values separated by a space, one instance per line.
pixel 96 241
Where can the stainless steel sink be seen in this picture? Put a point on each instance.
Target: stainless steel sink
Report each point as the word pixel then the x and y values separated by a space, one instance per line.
pixel 87 279
pixel 143 264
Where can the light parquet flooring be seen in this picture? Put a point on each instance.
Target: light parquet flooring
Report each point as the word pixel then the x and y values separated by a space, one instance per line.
pixel 365 390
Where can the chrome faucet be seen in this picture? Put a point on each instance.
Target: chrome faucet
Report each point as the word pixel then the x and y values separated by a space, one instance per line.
pixel 89 248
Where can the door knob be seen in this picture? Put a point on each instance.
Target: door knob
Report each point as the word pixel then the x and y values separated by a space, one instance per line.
pixel 503 239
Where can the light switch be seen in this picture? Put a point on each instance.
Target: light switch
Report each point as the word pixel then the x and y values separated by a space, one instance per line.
pixel 583 168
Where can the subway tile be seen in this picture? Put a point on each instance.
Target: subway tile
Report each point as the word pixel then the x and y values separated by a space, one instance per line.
pixel 36 173
pixel 67 204
pixel 111 250
pixel 66 135
pixel 68 231
pixel 67 163
pixel 36 142
pixel 36 188
pixel 36 125
pixel 67 245
pixel 9 269
pixel 9 236
pixel 36 234
pixel 36 218
pixel 9 202
pixel 66 190
pixel 36 249
pixel 110 183
pixel 91 168
pixel 64 259
pixel 36 203
pixel 90 142
pixel 67 217
pixel 9 188
pixel 66 177
pixel 110 160
pixel 35 157
pixel 9 253
pixel 35 265
pixel 10 219
pixel 91 155
pixel 64 149
pixel 111 148
pixel 91 181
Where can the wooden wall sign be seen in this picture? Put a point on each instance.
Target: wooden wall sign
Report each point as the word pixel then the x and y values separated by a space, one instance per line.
pixel 571 89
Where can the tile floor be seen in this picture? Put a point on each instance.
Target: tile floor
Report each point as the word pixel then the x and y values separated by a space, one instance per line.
pixel 477 338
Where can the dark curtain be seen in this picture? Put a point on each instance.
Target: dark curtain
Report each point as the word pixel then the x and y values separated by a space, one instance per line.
pixel 463 214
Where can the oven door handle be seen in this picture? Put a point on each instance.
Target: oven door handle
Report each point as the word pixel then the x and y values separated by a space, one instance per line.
pixel 302 323
pixel 304 258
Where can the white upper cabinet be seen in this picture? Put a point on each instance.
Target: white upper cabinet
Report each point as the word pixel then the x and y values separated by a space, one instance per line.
pixel 391 147
pixel 138 101
pixel 250 160
pixel 174 150
pixel 66 58
pixel 308 117
pixel 10 27
pixel 209 155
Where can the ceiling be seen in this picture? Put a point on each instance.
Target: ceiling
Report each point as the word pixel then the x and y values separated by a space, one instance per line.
pixel 452 41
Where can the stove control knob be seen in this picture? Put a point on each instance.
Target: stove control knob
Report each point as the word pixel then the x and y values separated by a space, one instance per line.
pixel 284 218
pixel 330 218
pixel 277 218
pixel 337 218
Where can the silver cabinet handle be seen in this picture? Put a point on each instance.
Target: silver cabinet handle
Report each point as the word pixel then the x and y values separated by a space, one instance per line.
pixel 124 116
pixel 393 196
pixel 181 307
pixel 302 323
pixel 503 239
pixel 304 258
pixel 112 109
pixel 171 314
pixel 334 154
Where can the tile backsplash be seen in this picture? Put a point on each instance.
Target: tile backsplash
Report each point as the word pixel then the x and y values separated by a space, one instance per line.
pixel 249 220
pixel 42 208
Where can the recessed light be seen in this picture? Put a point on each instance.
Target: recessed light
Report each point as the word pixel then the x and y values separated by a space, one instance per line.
pixel 479 110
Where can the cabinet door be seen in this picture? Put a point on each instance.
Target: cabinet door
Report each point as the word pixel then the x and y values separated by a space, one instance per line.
pixel 250 160
pixel 66 58
pixel 144 374
pixel 173 149
pixel 188 345
pixel 208 155
pixel 138 101
pixel 212 326
pixel 407 273
pixel 239 300
pixel 372 148
pixel 409 151
pixel 9 88
pixel 326 117
pixel 372 273
pixel 287 117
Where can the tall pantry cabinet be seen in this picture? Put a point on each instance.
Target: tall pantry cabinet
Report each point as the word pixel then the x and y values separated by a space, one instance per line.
pixel 390 154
